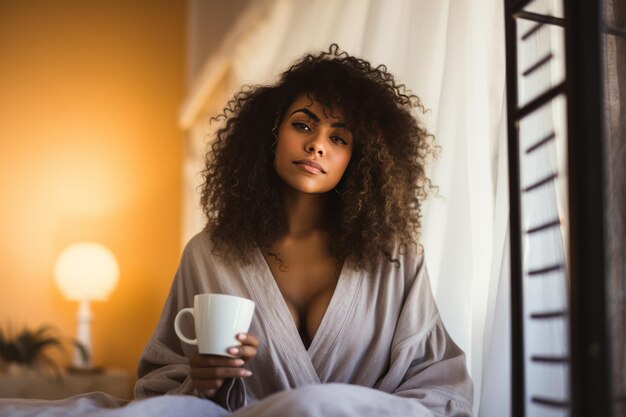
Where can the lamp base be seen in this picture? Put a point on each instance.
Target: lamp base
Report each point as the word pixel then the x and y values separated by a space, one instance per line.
pixel 82 350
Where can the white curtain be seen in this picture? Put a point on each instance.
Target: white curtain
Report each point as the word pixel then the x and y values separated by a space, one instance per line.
pixel 451 54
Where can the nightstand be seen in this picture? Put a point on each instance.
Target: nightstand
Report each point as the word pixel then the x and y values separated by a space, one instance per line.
pixel 48 387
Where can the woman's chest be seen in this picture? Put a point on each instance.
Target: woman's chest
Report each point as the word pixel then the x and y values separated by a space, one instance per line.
pixel 307 287
pixel 352 321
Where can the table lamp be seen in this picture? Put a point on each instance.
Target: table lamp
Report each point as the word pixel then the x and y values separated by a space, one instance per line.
pixel 84 272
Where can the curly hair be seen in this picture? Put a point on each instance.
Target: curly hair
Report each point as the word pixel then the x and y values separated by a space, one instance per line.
pixel 379 203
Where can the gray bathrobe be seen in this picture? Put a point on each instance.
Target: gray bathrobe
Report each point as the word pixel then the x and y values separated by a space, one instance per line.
pixel 381 343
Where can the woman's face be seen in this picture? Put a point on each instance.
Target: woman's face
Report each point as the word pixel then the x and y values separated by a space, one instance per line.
pixel 314 146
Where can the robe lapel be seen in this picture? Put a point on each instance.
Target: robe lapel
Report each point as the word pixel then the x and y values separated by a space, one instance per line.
pixel 328 334
pixel 273 311
pixel 307 365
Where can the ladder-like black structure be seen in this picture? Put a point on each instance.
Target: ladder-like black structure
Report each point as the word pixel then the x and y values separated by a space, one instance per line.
pixel 586 315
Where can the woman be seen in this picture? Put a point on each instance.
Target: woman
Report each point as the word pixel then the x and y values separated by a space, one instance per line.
pixel 312 192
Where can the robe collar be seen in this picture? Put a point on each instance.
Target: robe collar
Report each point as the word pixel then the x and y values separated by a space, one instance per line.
pixel 307 365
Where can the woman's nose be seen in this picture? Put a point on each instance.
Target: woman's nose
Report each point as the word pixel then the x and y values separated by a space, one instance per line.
pixel 316 146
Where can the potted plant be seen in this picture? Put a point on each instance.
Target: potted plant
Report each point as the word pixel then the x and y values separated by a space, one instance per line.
pixel 27 350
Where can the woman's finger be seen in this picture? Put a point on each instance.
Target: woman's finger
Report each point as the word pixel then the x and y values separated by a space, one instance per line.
pixel 206 384
pixel 209 393
pixel 211 361
pixel 218 373
pixel 243 351
pixel 248 339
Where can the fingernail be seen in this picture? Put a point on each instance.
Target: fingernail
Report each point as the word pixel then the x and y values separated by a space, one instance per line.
pixel 245 372
pixel 233 351
pixel 239 362
pixel 241 336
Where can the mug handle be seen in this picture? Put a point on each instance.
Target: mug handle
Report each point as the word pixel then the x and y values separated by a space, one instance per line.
pixel 179 332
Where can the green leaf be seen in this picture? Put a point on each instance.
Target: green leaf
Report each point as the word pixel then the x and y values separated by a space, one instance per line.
pixel 28 347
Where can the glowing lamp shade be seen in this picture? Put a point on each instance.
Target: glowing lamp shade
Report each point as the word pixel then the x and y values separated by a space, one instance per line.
pixel 86 271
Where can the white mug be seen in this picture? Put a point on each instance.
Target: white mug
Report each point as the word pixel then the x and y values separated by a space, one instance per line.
pixel 218 319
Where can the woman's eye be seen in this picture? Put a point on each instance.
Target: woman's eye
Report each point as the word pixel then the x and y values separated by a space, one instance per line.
pixel 339 139
pixel 301 126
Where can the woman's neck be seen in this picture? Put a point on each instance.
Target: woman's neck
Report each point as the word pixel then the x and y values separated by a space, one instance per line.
pixel 306 213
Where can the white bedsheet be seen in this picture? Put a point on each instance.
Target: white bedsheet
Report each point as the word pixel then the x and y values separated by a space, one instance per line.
pixel 98 404
pixel 318 400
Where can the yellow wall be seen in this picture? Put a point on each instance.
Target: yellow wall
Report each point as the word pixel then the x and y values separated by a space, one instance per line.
pixel 90 150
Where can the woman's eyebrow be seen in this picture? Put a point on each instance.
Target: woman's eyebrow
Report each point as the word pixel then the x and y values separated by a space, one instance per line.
pixel 316 118
pixel 307 112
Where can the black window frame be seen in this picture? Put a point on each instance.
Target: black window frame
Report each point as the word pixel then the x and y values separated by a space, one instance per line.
pixel 589 360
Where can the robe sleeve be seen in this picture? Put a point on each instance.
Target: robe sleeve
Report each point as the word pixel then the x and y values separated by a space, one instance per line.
pixel 163 367
pixel 164 364
pixel 425 364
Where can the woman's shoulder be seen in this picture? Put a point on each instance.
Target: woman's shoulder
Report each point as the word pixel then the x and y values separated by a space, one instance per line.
pixel 399 257
pixel 405 265
pixel 202 238
pixel 200 245
pixel 408 255
pixel 203 249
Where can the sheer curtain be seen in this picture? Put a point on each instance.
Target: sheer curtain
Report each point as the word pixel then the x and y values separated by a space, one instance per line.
pixel 615 155
pixel 449 53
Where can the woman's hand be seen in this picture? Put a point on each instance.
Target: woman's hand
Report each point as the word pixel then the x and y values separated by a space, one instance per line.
pixel 208 372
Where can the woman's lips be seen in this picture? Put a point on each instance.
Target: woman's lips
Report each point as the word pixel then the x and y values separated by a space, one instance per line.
pixel 310 166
